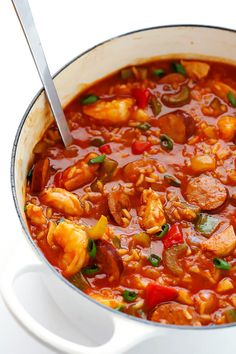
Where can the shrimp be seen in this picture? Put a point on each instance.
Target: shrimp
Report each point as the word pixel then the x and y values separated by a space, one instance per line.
pixel 196 69
pixel 80 174
pixel 62 201
pixel 73 239
pixel 221 90
pixel 151 212
pixel 119 206
pixel 35 214
pixel 113 112
pixel 107 301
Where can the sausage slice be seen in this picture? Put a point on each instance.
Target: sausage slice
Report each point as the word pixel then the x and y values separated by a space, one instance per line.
pixel 174 313
pixel 206 192
pixel 40 175
pixel 109 259
pixel 178 125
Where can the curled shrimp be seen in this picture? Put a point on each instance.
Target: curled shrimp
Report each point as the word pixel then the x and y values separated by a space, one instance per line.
pixel 114 112
pixel 80 174
pixel 74 242
pixel 35 214
pixel 151 213
pixel 62 201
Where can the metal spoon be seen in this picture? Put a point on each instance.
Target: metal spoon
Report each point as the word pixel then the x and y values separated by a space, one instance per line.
pixel 27 23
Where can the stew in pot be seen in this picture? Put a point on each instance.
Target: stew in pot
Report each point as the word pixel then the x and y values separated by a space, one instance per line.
pixel 139 212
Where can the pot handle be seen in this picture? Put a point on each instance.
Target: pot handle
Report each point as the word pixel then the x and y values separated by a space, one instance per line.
pixel 125 335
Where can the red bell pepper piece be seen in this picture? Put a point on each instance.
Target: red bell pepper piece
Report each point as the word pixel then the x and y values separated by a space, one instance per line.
pixel 105 149
pixel 138 147
pixel 155 294
pixel 173 237
pixel 141 96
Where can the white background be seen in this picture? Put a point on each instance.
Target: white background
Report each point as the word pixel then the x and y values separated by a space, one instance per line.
pixel 66 27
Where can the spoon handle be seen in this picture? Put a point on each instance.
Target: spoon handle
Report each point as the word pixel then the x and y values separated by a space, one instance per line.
pixel 27 23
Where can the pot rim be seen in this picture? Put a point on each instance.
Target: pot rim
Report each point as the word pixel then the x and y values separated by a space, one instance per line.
pixel 23 224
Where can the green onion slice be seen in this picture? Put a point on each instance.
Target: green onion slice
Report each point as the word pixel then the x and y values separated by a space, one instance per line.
pixel 92 249
pixel 97 142
pixel 154 260
pixel 158 72
pixel 172 180
pixel 166 142
pixel 231 98
pixel 129 295
pixel 90 270
pixel 97 159
pixel 163 232
pixel 179 68
pixel 144 126
pixel 89 99
pixel 221 264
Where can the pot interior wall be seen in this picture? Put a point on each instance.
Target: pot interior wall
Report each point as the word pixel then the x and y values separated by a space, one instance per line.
pixel 134 48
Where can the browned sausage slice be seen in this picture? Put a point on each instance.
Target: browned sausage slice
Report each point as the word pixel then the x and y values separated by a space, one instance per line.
pixel 178 125
pixel 206 192
pixel 109 259
pixel 174 313
pixel 40 175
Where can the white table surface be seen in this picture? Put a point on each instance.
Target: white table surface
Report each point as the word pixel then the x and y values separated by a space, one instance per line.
pixel 67 27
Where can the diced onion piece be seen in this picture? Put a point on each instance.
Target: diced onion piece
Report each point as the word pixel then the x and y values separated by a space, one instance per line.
pixel 224 285
pixel 202 163
pixel 142 239
pixel 184 297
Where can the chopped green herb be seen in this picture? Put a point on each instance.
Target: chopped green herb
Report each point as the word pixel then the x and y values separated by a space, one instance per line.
pixel 25 207
pixel 166 142
pixel 172 180
pixel 97 159
pixel 89 99
pixel 90 270
pixel 179 68
pixel 231 98
pixel 97 142
pixel 92 249
pixel 163 232
pixel 129 295
pixel 158 72
pixel 155 105
pixel 144 126
pixel 154 260
pixel 126 74
pixel 221 264
pixel 206 224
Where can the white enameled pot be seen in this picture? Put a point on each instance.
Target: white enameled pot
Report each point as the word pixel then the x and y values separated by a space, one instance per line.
pixel 116 331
